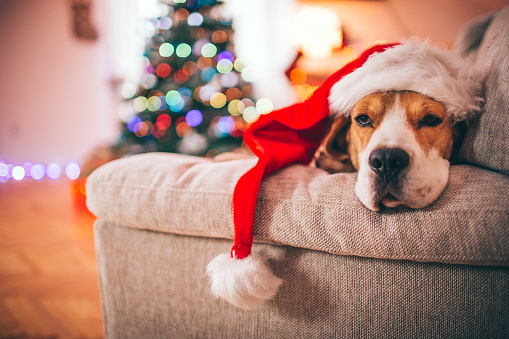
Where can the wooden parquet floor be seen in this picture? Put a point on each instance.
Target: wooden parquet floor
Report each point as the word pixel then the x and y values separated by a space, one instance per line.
pixel 48 276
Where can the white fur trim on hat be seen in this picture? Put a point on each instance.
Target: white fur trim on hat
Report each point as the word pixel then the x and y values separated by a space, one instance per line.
pixel 413 66
pixel 245 283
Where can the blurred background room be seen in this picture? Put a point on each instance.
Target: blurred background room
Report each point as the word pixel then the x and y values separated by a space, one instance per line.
pixel 84 82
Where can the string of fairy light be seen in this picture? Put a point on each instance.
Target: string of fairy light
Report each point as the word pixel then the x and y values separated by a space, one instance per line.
pixel 28 170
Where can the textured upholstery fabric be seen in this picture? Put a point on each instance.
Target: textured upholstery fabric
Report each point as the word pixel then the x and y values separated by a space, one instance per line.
pixel 306 207
pixel 486 142
pixel 154 286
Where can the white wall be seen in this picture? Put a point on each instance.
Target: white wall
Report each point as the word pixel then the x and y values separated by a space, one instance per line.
pixel 56 103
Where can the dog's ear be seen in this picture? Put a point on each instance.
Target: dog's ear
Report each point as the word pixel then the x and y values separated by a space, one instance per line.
pixel 458 133
pixel 332 155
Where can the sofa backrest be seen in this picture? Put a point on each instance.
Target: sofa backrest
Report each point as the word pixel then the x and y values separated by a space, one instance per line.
pixel 486 142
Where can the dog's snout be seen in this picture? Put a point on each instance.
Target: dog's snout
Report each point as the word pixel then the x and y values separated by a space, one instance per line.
pixel 387 163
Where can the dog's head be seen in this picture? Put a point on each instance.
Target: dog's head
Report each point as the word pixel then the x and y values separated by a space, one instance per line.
pixel 400 142
pixel 396 120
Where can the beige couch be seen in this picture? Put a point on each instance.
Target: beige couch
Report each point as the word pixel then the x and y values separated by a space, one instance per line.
pixel 439 272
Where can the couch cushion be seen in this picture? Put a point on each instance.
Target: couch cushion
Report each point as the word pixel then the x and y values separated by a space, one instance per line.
pixel 486 143
pixel 306 207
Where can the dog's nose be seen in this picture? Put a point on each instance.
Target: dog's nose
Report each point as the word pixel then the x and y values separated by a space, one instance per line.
pixel 387 163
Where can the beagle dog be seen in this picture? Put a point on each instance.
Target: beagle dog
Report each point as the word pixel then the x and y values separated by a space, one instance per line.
pixel 400 142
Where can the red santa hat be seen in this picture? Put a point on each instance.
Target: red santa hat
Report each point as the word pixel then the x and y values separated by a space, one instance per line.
pixel 291 135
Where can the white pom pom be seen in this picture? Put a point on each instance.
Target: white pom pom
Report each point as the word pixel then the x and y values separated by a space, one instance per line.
pixel 244 283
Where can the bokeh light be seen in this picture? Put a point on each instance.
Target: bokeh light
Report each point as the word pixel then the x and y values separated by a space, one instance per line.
pixel 206 93
pixel 140 104
pixel 190 68
pixel 229 80
pixel 181 14
pixel 225 55
pixel 239 65
pixel 143 128
pixel 4 170
pixel 264 106
pixel 131 123
pixel 185 94
pixel 175 101
pixel 225 125
pixel 165 23
pixel 236 107
pixel 249 74
pixel 204 63
pixel 233 93
pixel 183 129
pixel 72 170
pixel 194 118
pixel 317 31
pixel 248 102
pixel 128 90
pixel 172 97
pixel 200 33
pixel 163 70
pixel 53 171
pixel 250 114
pixel 166 50
pixel 208 50
pixel 208 74
pixel 148 81
pixel 154 103
pixel 298 75
pixel 219 36
pixel 183 50
pixel 18 173
pixel 163 122
pixel 246 91
pixel 218 100
pixel 38 172
pixel 180 76
pixel 304 91
pixel 224 66
pixel 195 19
pixel 198 46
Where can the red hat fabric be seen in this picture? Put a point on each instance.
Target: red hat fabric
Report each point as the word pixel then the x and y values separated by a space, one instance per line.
pixel 286 136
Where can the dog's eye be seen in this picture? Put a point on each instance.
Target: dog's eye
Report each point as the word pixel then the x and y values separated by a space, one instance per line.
pixel 430 120
pixel 363 120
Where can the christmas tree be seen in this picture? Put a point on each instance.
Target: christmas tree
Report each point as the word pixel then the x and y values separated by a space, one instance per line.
pixel 194 97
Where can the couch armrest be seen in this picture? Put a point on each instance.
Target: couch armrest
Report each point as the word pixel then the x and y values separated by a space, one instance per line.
pixel 306 207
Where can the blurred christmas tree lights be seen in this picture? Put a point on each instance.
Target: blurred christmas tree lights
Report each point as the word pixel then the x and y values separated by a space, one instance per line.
pixel 194 96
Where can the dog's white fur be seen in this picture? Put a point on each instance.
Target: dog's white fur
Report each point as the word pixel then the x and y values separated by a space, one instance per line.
pixel 244 283
pixel 419 184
